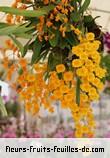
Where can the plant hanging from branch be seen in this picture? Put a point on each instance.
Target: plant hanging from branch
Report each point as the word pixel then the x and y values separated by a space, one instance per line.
pixel 65 64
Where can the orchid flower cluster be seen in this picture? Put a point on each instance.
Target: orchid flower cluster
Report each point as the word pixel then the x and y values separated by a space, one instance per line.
pixel 66 62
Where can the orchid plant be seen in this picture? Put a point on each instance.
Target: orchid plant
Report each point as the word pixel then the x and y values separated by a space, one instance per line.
pixel 65 43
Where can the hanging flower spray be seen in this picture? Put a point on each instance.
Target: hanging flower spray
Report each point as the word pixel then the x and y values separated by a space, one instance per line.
pixel 66 62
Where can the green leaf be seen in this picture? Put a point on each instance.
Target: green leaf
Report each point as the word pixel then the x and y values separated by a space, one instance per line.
pixel 78 91
pixel 84 6
pixel 32 20
pixel 15 29
pixel 106 61
pixel 24 35
pixel 22 48
pixel 27 13
pixel 23 28
pixel 24 31
pixel 20 71
pixel 63 43
pixel 26 47
pixel 8 30
pixel 36 51
pixel 45 54
pixel 18 44
pixel 51 63
pixel 2 107
pixel 40 57
pixel 72 39
pixel 54 41
pixel 54 59
pixel 88 19
pixel 2 25
pixel 75 16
